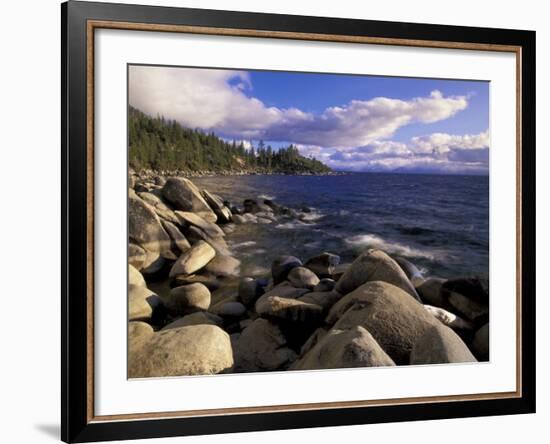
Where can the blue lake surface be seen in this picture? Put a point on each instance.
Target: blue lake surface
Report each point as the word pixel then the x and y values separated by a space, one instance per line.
pixel 440 223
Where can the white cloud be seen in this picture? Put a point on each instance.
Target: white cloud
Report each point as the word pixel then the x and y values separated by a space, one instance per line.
pixel 436 152
pixel 217 100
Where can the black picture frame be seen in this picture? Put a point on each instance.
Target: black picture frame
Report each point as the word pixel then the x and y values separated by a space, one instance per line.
pixel 76 328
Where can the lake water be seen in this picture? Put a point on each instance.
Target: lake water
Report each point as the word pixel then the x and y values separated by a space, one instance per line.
pixel 440 223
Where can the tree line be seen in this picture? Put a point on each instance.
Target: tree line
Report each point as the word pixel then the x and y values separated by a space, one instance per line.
pixel 160 144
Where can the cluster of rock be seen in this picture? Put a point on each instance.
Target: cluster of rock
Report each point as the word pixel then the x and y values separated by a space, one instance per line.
pixel 317 314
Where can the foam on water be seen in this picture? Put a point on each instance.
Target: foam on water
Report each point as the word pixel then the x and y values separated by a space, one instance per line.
pixel 370 240
pixel 244 244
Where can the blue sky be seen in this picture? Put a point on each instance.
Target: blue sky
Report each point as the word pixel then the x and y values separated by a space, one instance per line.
pixel 350 122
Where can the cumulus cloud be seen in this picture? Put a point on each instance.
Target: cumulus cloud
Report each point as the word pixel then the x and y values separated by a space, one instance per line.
pixel 218 100
pixel 438 152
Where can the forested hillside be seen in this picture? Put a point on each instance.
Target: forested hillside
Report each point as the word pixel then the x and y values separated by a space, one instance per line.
pixel 160 144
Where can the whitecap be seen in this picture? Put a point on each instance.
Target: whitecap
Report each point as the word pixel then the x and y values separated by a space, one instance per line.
pixel 372 241
pixel 266 196
pixel 311 216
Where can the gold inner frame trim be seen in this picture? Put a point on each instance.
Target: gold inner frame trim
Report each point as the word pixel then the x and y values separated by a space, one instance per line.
pixel 92 25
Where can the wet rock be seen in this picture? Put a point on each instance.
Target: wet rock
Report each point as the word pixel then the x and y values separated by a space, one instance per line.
pixel 185 196
pixel 430 292
pixel 262 347
pixel 325 284
pixel 447 318
pixel 252 206
pixel 323 265
pixel 249 291
pixel 188 299
pixel 197 257
pixel 301 277
pixel 232 309
pixel 238 219
pixel 339 271
pixel 412 272
pixel 344 349
pixel 374 265
pixel 191 350
pixel 216 203
pixel 440 345
pixel 469 297
pixel 228 228
pixel 388 313
pixel 480 344
pixel 282 265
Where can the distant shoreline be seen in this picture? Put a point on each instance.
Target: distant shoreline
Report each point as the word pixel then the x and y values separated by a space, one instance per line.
pixel 151 173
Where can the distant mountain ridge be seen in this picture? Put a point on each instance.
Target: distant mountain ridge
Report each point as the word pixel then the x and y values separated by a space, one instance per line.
pixel 164 145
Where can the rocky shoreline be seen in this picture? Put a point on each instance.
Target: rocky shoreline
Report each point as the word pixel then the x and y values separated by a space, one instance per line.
pixel 151 174
pixel 192 313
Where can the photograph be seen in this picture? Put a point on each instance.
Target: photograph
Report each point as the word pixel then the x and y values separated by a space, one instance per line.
pixel 299 221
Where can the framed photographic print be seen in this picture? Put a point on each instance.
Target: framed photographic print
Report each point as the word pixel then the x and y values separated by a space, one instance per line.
pixel 277 221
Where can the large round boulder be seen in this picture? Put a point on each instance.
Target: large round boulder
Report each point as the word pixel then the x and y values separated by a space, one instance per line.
pixel 139 333
pixel 188 299
pixel 374 265
pixel 344 349
pixel 262 347
pixel 192 260
pixel 440 345
pixel 390 315
pixel 197 318
pixel 185 196
pixel 144 226
pixel 223 266
pixel 301 277
pixel 191 350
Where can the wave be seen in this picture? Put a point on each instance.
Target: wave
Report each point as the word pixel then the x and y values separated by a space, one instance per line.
pixel 370 240
pixel 312 216
pixel 244 244
pixel 266 197
pixel 292 225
